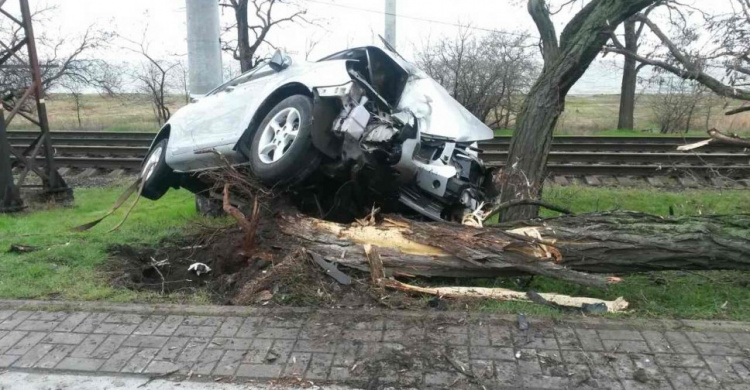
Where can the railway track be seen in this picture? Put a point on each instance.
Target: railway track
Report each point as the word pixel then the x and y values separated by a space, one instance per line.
pixel 570 156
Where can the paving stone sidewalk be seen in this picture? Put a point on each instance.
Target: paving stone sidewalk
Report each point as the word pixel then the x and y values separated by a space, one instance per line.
pixel 375 349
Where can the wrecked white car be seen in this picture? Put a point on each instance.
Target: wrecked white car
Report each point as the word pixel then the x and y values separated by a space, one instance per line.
pixel 363 116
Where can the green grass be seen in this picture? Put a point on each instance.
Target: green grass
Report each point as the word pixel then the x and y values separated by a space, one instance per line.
pixel 581 199
pixel 68 268
pixel 675 294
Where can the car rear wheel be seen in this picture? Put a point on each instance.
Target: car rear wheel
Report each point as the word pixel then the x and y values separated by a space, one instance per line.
pixel 155 173
pixel 282 152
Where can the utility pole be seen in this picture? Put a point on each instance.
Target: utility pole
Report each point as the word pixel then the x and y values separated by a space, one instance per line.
pixel 204 47
pixel 390 22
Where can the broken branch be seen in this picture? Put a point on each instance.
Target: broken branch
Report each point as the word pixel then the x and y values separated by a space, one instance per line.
pixel 502 294
pixel 377 273
pixel 525 202
pixel 717 137
pixel 249 227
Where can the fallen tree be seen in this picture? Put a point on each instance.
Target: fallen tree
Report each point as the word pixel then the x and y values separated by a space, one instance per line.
pixel 573 248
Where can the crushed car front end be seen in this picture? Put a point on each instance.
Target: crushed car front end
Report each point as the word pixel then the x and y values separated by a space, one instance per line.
pixel 393 116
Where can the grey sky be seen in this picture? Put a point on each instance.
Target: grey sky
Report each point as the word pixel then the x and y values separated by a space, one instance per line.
pixel 342 23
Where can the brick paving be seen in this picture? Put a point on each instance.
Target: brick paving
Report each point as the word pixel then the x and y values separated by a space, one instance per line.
pixel 376 349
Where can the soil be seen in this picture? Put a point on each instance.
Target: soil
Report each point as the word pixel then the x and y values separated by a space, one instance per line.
pixel 271 276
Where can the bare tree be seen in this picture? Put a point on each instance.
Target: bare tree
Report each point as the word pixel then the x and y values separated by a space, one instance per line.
pixel 723 65
pixel 485 74
pixel 675 103
pixel 256 17
pixel 566 58
pixel 154 77
pixel 311 42
pixel 230 71
pixel 75 89
pixel 62 59
pixel 182 77
pixel 633 30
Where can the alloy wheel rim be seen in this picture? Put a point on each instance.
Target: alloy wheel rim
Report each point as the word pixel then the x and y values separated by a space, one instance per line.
pixel 279 135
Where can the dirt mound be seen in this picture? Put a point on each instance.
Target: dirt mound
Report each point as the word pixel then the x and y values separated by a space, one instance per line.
pixel 271 276
pixel 164 268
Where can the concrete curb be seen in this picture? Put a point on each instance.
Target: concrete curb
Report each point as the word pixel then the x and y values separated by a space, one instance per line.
pixel 212 310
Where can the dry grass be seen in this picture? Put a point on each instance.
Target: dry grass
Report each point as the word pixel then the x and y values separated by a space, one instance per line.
pixel 588 115
pixel 584 115
pixel 130 112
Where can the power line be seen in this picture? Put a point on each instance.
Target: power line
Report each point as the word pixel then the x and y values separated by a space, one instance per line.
pixel 402 16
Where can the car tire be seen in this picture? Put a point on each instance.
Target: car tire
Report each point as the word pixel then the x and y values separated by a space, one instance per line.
pixel 285 130
pixel 155 172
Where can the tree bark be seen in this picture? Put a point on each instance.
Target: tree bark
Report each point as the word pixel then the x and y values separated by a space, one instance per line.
pixel 629 78
pixel 244 54
pixel 573 248
pixel 564 63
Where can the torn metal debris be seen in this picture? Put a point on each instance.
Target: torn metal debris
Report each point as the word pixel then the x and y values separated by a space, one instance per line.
pixel 199 268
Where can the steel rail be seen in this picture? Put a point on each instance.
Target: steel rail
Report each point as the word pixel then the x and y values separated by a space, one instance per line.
pixel 86 134
pixel 647 170
pixel 634 158
pixel 94 142
pixel 571 155
pixel 101 151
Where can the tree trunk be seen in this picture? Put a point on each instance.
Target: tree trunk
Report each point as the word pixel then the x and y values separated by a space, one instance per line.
pixel 77 99
pixel 629 79
pixel 244 55
pixel 695 98
pixel 564 63
pixel 532 139
pixel 565 248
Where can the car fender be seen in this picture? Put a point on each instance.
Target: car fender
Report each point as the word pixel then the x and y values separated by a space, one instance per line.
pixel 298 78
pixel 160 135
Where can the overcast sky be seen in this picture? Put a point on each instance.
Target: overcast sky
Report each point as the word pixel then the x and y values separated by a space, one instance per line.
pixel 343 23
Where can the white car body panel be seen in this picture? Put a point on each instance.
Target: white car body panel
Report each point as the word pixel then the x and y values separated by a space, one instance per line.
pixel 218 120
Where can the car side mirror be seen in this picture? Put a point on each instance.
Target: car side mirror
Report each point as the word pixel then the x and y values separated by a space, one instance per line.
pixel 279 61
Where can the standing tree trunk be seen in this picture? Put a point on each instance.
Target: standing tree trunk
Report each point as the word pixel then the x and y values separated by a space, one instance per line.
pixel 264 16
pixel 77 99
pixel 564 63
pixel 244 55
pixel 629 79
pixel 689 120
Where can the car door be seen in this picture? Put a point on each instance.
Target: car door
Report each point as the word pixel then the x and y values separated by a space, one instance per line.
pixel 226 108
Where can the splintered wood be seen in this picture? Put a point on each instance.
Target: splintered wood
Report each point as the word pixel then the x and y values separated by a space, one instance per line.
pixel 502 294
pixel 586 249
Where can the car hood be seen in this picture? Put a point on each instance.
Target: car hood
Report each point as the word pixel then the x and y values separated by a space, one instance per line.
pixel 439 113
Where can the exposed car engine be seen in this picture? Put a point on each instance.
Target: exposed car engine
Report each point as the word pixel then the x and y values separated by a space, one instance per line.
pixel 438 178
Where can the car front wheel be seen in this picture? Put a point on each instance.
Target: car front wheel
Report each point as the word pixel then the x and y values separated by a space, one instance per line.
pixel 155 173
pixel 282 152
